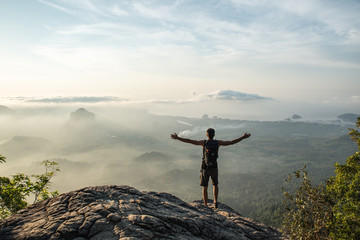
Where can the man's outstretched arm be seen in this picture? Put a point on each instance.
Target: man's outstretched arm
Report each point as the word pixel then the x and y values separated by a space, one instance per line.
pixel 227 143
pixel 185 140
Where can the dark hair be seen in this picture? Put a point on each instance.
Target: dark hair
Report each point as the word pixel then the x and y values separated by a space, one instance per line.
pixel 211 132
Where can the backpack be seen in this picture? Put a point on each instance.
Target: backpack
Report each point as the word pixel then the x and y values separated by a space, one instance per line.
pixel 210 154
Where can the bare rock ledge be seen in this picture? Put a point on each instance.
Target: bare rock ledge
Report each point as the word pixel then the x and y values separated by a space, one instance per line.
pixel 122 212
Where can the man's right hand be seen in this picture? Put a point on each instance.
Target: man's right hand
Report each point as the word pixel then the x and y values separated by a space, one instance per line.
pixel 246 135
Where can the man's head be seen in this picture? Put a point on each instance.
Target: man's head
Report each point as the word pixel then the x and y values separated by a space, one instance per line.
pixel 210 133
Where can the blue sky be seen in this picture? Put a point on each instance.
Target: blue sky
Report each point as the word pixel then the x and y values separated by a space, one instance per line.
pixel 179 52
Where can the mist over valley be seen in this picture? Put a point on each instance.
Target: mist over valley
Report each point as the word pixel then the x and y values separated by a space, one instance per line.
pixel 99 145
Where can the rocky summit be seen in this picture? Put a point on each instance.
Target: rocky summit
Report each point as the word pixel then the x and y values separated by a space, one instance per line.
pixel 122 212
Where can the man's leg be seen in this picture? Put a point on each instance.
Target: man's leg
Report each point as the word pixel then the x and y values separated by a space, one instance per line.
pixel 215 182
pixel 205 194
pixel 216 193
pixel 204 179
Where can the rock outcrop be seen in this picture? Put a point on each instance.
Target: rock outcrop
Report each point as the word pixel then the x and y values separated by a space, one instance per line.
pixel 122 212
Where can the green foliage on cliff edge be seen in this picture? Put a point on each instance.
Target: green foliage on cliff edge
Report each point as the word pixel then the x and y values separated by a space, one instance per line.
pixel 307 209
pixel 328 211
pixel 344 192
pixel 14 190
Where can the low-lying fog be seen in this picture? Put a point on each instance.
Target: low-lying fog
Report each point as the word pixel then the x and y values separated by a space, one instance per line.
pixel 122 145
pixel 96 145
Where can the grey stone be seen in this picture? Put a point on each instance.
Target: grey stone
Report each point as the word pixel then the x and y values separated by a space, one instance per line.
pixel 101 225
pixel 113 217
pixel 123 212
pixel 105 235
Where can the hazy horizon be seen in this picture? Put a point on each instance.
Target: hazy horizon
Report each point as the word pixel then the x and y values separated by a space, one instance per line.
pixel 263 110
pixel 120 142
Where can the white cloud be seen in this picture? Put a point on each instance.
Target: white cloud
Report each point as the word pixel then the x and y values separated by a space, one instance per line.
pixel 83 99
pixel 117 11
pixel 185 123
pixel 271 32
pixel 257 46
pixel 235 96
pixel 343 100
pixel 221 95
pixel 56 6
pixel 165 101
pixel 160 12
pixel 281 32
pixel 355 99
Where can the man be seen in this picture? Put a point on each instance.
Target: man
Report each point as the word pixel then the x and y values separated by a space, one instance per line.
pixel 209 164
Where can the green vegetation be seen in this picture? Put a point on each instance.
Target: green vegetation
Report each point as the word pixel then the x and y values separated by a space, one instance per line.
pixel 307 210
pixel 330 210
pixel 344 192
pixel 15 190
pixel 2 159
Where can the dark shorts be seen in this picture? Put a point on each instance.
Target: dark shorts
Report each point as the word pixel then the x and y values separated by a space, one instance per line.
pixel 206 174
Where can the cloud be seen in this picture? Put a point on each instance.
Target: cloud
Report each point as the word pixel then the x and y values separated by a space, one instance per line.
pixel 185 123
pixel 167 101
pixel 227 95
pixel 235 96
pixel 117 11
pixel 56 6
pixel 258 33
pixel 76 100
pixel 355 99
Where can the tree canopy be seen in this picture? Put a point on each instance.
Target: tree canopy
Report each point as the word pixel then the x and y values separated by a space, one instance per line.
pixel 328 211
pixel 15 189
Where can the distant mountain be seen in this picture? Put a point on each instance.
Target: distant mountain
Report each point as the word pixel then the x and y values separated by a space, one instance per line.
pixel 349 117
pixel 152 157
pixel 296 116
pixel 293 117
pixel 24 145
pixel 82 115
pixel 5 110
pixel 82 122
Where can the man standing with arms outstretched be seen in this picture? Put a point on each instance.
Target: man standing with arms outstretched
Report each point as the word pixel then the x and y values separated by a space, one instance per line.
pixel 209 163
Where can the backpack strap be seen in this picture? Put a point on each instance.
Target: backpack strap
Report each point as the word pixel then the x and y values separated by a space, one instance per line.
pixel 204 149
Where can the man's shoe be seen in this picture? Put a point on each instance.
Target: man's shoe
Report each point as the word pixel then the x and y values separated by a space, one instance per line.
pixel 216 205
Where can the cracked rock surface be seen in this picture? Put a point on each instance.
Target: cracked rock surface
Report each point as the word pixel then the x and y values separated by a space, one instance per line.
pixel 122 212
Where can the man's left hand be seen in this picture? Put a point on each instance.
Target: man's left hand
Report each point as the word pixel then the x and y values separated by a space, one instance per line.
pixel 174 136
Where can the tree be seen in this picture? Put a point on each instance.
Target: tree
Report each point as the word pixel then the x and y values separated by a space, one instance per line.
pixel 307 209
pixel 331 210
pixel 344 191
pixel 2 159
pixel 14 190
